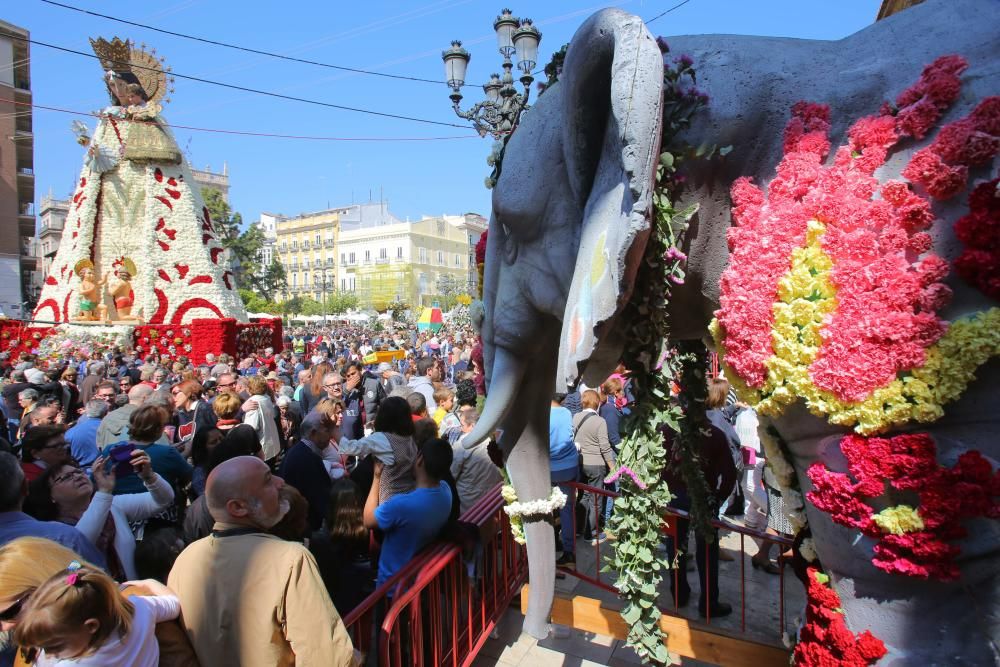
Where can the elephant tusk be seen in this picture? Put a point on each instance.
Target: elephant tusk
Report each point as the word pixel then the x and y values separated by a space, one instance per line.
pixel 505 382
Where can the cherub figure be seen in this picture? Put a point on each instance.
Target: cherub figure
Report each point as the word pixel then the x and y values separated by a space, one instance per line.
pixel 90 291
pixel 121 288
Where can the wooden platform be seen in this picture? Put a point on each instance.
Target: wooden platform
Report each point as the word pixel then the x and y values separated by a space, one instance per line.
pixel 684 637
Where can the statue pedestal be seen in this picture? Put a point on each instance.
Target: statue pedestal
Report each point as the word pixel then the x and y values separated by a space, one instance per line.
pixel 57 343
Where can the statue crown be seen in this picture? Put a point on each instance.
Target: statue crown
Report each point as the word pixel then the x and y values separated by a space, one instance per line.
pixel 114 55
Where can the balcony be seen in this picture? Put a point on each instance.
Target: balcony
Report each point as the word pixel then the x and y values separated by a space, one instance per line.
pixel 328 243
pixel 382 260
pixel 305 245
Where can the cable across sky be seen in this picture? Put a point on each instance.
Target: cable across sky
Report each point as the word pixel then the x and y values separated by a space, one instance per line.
pixel 237 47
pixel 247 133
pixel 250 90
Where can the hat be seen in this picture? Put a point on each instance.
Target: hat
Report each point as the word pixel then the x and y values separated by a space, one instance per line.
pixel 34 376
pixel 272 376
pixel 384 366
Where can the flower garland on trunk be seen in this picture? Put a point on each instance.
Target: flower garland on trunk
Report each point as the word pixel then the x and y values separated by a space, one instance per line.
pixel 825 640
pixel 637 519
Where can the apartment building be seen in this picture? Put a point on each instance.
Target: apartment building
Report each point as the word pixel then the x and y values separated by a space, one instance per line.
pixel 405 261
pixel 18 264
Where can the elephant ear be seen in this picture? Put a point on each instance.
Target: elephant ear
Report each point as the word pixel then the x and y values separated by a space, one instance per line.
pixel 613 79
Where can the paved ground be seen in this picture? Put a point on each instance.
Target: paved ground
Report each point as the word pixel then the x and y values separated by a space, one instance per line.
pixel 763 592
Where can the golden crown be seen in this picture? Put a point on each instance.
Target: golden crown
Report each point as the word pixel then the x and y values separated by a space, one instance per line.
pixel 122 56
pixel 114 55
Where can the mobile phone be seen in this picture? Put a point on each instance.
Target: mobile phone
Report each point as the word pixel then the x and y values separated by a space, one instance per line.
pixel 121 457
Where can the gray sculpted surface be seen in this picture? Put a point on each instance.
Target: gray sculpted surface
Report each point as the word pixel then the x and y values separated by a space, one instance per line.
pixel 567 226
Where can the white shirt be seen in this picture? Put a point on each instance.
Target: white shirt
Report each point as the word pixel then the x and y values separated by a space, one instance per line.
pixel 138 648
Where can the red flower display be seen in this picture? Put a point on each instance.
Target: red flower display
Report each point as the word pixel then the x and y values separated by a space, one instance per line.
pixel 922 104
pixel 943 167
pixel 825 640
pixel 979 263
pixel 886 301
pixel 481 248
pixel 908 463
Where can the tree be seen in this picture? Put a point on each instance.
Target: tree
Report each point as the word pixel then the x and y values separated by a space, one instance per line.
pixel 292 306
pixel 255 303
pixel 448 288
pixel 311 306
pixel 245 248
pixel 341 302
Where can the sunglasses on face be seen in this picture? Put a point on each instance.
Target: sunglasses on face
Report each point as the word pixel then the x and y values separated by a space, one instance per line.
pixel 227 385
pixel 11 612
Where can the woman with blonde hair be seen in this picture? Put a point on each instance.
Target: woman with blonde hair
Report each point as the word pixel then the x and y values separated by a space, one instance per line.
pixel 263 419
pixel 27 562
pixel 78 616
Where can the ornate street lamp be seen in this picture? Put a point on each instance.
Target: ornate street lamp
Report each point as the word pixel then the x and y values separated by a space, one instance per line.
pixel 500 112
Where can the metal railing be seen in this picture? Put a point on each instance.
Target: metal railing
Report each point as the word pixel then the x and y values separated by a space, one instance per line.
pixel 669 529
pixel 441 608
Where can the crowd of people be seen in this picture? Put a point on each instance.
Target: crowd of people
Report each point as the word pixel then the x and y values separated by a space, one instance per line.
pixel 249 504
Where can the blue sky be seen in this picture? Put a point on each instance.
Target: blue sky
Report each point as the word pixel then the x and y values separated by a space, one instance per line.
pixel 406 38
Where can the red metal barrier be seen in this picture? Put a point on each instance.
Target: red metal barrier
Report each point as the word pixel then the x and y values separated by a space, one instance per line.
pixel 669 529
pixel 444 604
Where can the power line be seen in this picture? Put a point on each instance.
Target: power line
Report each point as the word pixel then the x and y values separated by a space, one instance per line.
pixel 240 132
pixel 249 90
pixel 648 21
pixel 237 47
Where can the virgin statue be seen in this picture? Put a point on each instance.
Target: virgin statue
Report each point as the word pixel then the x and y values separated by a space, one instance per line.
pixel 136 205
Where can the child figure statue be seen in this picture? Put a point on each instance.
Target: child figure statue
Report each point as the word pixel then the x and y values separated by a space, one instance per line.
pixel 120 289
pixel 90 292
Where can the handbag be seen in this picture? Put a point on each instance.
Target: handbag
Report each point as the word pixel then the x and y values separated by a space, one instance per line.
pixel 749 456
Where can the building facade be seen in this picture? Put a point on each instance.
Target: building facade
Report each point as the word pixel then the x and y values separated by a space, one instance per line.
pixel 306 247
pixel 206 178
pixel 18 263
pixel 417 263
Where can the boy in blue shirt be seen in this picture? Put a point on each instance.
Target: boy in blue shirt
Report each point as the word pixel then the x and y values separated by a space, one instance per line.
pixel 410 521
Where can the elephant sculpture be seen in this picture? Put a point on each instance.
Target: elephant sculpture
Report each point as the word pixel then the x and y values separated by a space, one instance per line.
pixel 569 226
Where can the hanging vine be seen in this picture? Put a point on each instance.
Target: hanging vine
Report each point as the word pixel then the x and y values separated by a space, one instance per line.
pixel 644 495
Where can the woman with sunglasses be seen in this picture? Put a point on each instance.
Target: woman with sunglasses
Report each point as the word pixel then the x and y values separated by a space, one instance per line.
pixel 192 414
pixel 64 493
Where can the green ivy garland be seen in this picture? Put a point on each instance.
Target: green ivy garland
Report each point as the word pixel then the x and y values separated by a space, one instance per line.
pixel 638 511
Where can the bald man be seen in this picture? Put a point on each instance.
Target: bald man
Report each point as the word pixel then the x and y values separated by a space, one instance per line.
pixel 114 426
pixel 247 597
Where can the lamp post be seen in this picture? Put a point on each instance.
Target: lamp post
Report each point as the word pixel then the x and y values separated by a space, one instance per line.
pixel 499 113
pixel 321 281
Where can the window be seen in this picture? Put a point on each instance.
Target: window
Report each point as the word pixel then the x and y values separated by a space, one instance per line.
pixel 422 253
pixel 295 280
pixel 295 246
pixel 383 253
pixel 305 279
pixel 352 258
pixel 368 255
pixel 440 257
pixel 329 261
pixel 399 252
pixel 343 258
pixel 343 284
pixel 458 260
pixel 284 246
pixel 319 240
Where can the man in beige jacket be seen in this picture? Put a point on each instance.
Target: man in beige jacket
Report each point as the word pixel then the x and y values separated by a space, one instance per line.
pixel 249 598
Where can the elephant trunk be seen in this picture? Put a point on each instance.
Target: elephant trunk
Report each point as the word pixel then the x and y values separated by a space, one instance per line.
pixel 507 375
